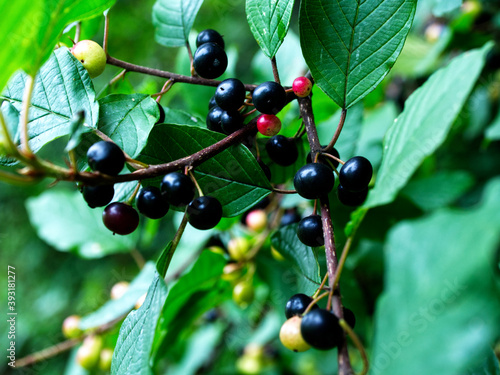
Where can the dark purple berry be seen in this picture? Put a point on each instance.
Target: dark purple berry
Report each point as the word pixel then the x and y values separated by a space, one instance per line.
pixel 151 203
pixel 106 157
pixel 355 174
pixel 282 150
pixel 120 218
pixel 314 181
pixel 269 97
pixel 178 189
pixel 204 212
pixel 297 304
pixel 351 198
pixel 214 119
pixel 230 94
pixel 310 231
pixel 231 121
pixel 209 36
pixel 210 60
pixel 98 195
pixel 321 329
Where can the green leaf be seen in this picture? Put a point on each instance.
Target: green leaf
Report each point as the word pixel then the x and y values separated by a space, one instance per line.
pixel 30 30
pixel 62 89
pixel 136 337
pixel 438 190
pixel 173 20
pixel 179 117
pixel 76 131
pixel 424 124
pixel 492 133
pixel 66 222
pixel 441 7
pixel 301 257
pixel 128 120
pixel 116 308
pixel 441 282
pixel 350 46
pixel 233 176
pixel 269 22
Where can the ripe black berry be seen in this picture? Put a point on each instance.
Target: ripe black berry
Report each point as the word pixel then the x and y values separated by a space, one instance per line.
pixel 310 231
pixel 161 119
pixel 177 188
pixel 349 317
pixel 289 217
pixel 282 150
pixel 297 304
pixel 269 97
pixel 209 35
pixel 230 94
pixel 106 157
pixel 151 203
pixel 212 103
pixel 325 159
pixel 231 121
pixel 99 195
pixel 321 329
pixel 120 218
pixel 351 198
pixel 356 173
pixel 214 119
pixel 314 180
pixel 210 60
pixel 204 212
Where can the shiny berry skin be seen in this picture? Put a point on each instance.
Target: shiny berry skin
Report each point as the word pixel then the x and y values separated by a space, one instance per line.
pixel 91 55
pixel 355 174
pixel 212 103
pixel 268 125
pixel 106 157
pixel 297 304
pixel 204 212
pixel 290 217
pixel 282 150
pixel 214 119
pixel 314 180
pixel 231 121
pixel 302 86
pixel 230 94
pixel 209 36
pixel 349 317
pixel 151 203
pixel 161 119
pixel 99 195
pixel 210 61
pixel 325 159
pixel 310 231
pixel 178 189
pixel 321 329
pixel 120 218
pixel 290 335
pixel 269 97
pixel 351 198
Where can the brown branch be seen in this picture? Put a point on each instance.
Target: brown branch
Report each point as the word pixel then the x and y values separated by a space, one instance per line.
pixel 275 70
pixel 337 132
pixel 306 112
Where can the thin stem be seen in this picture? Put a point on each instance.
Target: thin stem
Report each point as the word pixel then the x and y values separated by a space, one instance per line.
pixel 338 131
pixel 193 178
pixel 333 157
pixel 342 260
pixel 275 70
pixel 28 92
pixel 130 200
pixel 357 342
pixel 15 178
pixel 284 191
pixel 138 258
pixel 314 302
pixel 166 87
pixel 164 74
pixel 118 77
pixel 106 33
pixel 6 134
pixel 315 208
pixel 173 247
pixel 78 31
pixel 190 53
pixel 315 295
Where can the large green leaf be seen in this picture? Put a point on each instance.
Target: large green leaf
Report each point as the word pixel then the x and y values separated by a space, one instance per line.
pixel 350 46
pixel 30 30
pixel 233 176
pixel 440 282
pixel 301 257
pixel 116 308
pixel 424 123
pixel 128 120
pixel 62 89
pixel 136 337
pixel 173 20
pixel 65 221
pixel 269 22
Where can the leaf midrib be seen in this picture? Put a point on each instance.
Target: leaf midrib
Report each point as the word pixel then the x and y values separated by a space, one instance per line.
pixel 350 51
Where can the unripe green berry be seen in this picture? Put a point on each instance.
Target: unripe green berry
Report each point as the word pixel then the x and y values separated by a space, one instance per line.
pixel 119 289
pixel 105 359
pixel 71 327
pixel 238 248
pixel 91 55
pixel 291 337
pixel 89 352
pixel 243 293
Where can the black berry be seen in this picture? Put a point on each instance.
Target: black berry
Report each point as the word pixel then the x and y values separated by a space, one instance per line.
pixel 151 203
pixel 204 212
pixel 282 150
pixel 269 97
pixel 297 304
pixel 356 173
pixel 161 119
pixel 351 198
pixel 178 189
pixel 231 121
pixel 325 159
pixel 349 317
pixel 214 119
pixel 310 231
pixel 212 103
pixel 99 195
pixel 230 94
pixel 314 180
pixel 120 218
pixel 209 36
pixel 210 60
pixel 321 329
pixel 106 157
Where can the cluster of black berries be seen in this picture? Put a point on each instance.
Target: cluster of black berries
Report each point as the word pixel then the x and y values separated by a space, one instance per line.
pixel 177 189
pixel 319 328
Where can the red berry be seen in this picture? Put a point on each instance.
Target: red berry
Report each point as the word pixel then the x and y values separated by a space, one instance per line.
pixel 302 86
pixel 268 125
pixel 120 218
